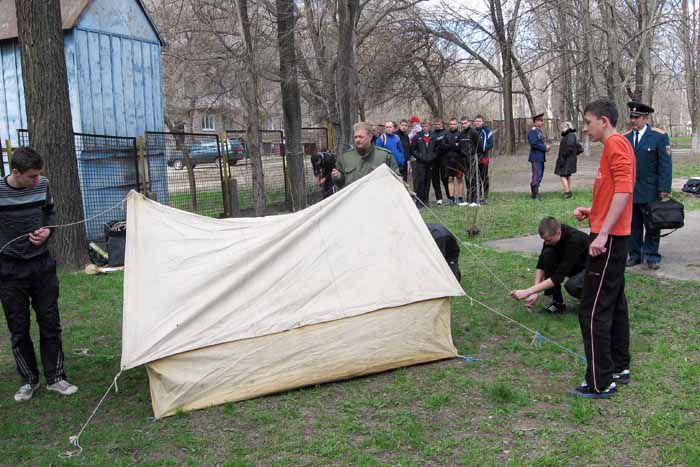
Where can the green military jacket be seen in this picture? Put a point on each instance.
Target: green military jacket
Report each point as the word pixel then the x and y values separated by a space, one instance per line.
pixel 353 166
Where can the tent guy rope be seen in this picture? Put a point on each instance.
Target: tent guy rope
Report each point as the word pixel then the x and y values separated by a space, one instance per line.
pixel 538 337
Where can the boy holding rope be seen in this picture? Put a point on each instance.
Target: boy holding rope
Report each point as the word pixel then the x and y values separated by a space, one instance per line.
pixel 28 274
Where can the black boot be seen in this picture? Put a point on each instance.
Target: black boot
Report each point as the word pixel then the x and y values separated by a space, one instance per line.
pixel 536 192
pixel 533 191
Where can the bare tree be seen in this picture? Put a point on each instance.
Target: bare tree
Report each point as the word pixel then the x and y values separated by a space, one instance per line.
pixel 45 80
pixel 291 101
pixel 252 105
pixel 689 31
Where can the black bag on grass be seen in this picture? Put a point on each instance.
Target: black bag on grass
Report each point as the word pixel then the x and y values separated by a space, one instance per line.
pixel 448 246
pixel 692 186
pixel 115 233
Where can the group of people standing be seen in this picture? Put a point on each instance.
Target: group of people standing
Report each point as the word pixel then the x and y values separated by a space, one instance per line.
pixel 454 159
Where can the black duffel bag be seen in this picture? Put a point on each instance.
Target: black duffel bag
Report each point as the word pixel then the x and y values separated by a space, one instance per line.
pixel 692 186
pixel 664 214
pixel 115 233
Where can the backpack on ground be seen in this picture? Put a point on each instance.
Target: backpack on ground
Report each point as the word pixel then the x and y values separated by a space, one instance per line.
pixel 692 186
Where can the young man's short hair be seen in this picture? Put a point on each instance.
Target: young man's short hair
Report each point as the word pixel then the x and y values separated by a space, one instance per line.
pixel 453 119
pixel 548 226
pixel 479 116
pixel 24 159
pixel 603 108
pixel 403 120
pixel 463 119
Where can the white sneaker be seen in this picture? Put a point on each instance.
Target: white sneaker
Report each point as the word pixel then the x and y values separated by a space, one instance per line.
pixel 439 202
pixel 63 387
pixel 25 392
pixel 463 203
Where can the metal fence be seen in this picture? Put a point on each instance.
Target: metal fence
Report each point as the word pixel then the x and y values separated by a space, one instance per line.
pixel 193 165
pixel 315 140
pixel 107 169
pixel 185 171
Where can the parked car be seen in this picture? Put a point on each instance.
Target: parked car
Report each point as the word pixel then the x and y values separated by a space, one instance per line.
pixel 207 152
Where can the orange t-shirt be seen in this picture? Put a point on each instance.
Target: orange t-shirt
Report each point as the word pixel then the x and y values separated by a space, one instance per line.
pixel 616 174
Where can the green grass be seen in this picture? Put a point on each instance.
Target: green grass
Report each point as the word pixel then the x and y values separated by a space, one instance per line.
pixel 680 142
pixel 510 408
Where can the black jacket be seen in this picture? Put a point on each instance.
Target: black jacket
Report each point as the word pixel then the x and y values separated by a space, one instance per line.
pixel 573 251
pixel 449 145
pixel 405 143
pixel 422 151
pixel 469 141
pixel 438 136
pixel 568 152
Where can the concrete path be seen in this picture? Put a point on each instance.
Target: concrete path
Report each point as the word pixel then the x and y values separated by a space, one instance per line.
pixel 680 250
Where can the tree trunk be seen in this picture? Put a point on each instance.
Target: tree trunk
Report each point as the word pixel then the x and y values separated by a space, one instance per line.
pixel 346 78
pixel 251 99
pixel 508 122
pixel 690 40
pixel 505 48
pixel 182 146
pixel 291 102
pixel 45 79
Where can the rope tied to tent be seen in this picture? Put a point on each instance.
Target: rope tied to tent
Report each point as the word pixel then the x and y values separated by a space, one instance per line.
pixel 70 224
pixel 74 440
pixel 538 337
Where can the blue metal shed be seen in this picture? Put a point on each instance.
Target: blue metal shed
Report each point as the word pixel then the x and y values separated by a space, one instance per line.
pixel 112 52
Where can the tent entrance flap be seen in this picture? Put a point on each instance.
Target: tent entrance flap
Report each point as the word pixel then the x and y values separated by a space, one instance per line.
pixel 373 342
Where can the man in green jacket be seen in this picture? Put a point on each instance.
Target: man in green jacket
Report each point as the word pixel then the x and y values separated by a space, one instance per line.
pixel 362 159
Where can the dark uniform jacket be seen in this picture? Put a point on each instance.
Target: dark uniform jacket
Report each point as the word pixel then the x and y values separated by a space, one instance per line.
pixel 538 147
pixel 654 165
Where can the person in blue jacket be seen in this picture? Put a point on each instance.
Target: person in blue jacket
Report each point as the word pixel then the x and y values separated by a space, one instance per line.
pixel 652 149
pixel 538 148
pixel 392 143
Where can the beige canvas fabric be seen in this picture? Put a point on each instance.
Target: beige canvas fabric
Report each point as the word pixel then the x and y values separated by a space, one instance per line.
pixel 340 349
pixel 193 282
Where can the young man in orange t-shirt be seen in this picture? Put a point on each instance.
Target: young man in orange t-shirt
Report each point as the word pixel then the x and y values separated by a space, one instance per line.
pixel 603 315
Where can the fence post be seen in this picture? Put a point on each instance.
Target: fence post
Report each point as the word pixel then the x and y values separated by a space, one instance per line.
pixel 2 161
pixel 330 136
pixel 225 173
pixel 142 160
pixel 8 145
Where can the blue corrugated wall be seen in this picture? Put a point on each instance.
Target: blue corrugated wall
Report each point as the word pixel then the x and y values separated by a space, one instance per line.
pixel 114 80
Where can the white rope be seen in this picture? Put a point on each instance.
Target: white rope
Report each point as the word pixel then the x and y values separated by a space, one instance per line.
pixel 120 203
pixel 75 439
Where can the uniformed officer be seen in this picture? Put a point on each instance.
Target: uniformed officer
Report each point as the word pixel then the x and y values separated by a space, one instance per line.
pixel 362 159
pixel 652 149
pixel 538 148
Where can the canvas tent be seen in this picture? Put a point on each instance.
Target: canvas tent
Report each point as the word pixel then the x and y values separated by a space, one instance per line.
pixel 228 309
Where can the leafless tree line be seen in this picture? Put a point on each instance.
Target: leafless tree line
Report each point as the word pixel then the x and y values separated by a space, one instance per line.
pixel 334 62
